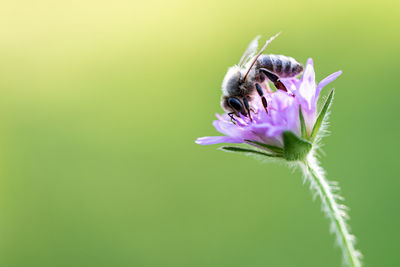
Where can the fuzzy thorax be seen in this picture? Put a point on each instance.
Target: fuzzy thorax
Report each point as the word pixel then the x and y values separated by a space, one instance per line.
pixel 234 86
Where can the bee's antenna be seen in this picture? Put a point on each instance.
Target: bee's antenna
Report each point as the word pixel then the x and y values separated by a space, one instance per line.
pixel 259 54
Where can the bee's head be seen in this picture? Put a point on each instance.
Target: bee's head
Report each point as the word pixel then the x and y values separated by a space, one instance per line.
pixel 233 105
pixel 234 89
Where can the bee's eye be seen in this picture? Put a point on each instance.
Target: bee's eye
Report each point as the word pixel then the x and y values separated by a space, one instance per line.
pixel 235 104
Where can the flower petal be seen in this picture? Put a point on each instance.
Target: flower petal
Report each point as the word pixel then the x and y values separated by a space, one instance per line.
pixel 211 140
pixel 306 92
pixel 226 128
pixel 327 80
pixel 291 84
pixel 306 73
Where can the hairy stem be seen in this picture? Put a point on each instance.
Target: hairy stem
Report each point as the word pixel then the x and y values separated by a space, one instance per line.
pixel 335 211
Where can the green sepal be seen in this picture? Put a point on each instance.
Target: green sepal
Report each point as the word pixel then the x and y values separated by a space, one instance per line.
pixel 322 115
pixel 302 124
pixel 275 149
pixel 295 148
pixel 246 151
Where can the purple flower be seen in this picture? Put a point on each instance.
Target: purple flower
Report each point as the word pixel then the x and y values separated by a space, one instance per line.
pixel 282 114
pixel 287 125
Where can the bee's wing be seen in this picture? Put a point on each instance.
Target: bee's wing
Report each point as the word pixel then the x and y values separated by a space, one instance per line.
pixel 250 51
pixel 259 54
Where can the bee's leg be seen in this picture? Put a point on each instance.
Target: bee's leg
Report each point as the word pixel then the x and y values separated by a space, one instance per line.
pixel 246 105
pixel 261 94
pixel 275 79
pixel 233 120
pixel 253 110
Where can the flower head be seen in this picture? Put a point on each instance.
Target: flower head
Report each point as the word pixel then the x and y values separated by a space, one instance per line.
pixel 290 118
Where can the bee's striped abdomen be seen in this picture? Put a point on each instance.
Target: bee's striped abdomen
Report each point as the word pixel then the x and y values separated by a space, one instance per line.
pixel 283 66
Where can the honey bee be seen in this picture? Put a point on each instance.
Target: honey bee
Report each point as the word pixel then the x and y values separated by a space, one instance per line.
pixel 243 79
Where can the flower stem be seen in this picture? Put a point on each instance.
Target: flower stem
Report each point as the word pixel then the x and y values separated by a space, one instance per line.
pixel 335 211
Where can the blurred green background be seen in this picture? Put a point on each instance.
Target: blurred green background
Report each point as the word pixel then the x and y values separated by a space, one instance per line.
pixel 100 104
